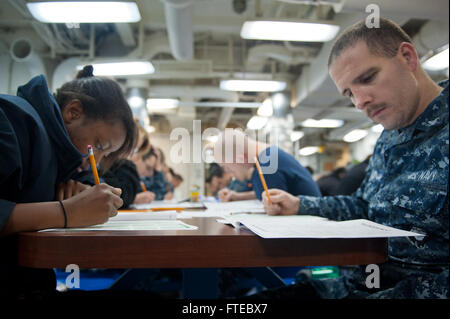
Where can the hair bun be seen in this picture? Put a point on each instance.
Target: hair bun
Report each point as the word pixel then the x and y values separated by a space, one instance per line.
pixel 87 71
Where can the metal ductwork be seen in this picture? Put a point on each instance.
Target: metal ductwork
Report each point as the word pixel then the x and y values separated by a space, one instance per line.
pixel 314 86
pixel 280 125
pixel 433 35
pixel 179 28
pixel 192 92
pixel 257 55
pixel 21 51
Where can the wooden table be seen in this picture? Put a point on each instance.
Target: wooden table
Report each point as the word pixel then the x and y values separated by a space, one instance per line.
pixel 213 245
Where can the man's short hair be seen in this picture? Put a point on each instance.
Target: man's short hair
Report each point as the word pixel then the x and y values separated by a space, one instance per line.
pixel 383 41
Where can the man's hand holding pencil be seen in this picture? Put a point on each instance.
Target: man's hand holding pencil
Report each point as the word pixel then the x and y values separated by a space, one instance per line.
pixel 283 203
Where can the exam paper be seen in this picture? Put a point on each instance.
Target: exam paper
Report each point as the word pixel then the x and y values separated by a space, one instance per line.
pixel 236 207
pixel 168 214
pixel 316 227
pixel 133 225
pixel 164 204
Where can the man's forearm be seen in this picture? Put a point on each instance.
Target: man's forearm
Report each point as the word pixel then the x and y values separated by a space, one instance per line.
pixel 333 207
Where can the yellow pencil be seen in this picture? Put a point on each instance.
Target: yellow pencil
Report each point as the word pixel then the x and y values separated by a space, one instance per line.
pixel 93 165
pixel 144 189
pixel 263 181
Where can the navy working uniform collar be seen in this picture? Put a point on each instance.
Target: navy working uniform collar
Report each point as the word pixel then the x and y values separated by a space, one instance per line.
pixel 36 92
pixel 433 117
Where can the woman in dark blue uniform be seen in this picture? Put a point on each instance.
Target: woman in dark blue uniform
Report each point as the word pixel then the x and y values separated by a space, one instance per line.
pixel 43 144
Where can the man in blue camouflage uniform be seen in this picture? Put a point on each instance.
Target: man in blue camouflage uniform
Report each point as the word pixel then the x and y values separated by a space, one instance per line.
pixel 153 179
pixel 406 185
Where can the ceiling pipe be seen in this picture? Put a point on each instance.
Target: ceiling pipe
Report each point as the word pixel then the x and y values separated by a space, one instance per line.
pixel 151 46
pixel 433 35
pixel 179 28
pixel 192 92
pixel 257 55
pixel 21 51
pixel 315 81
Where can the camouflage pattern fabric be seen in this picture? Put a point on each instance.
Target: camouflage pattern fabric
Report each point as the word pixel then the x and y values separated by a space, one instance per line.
pixel 406 187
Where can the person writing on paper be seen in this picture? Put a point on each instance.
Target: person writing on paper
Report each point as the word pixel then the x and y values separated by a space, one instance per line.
pixel 43 143
pixel 154 181
pixel 226 187
pixel 236 153
pixel 406 182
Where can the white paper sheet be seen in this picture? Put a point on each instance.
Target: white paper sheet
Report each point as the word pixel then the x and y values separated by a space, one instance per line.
pixel 237 207
pixel 316 227
pixel 163 204
pixel 164 215
pixel 133 225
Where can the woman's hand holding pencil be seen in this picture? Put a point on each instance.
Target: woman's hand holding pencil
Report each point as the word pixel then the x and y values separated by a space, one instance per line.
pixel 93 206
pixel 282 203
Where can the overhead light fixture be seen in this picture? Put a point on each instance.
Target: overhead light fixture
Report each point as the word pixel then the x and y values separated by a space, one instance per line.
pixel 252 85
pixel 377 128
pixel 257 122
pixel 212 138
pixel 136 97
pixel 266 108
pixel 150 128
pixel 323 123
pixel 438 61
pixel 246 105
pixel 121 68
pixel 308 150
pixel 354 136
pixel 136 101
pixel 289 31
pixel 161 104
pixel 296 135
pixel 84 11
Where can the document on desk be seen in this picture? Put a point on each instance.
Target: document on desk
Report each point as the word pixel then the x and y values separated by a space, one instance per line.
pixel 316 227
pixel 236 207
pixel 165 204
pixel 123 225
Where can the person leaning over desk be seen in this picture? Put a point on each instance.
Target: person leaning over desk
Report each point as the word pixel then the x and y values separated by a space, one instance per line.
pixel 406 183
pixel 281 170
pixel 43 143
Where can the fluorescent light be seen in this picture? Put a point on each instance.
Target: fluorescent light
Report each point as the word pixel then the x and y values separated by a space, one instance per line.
pixel 251 105
pixel 266 108
pixel 161 104
pixel 377 128
pixel 257 122
pixel 355 135
pixel 149 128
pixel 84 12
pixel 308 150
pixel 252 85
pixel 296 135
pixel 289 31
pixel 122 68
pixel 136 101
pixel 437 62
pixel 326 123
pixel 212 138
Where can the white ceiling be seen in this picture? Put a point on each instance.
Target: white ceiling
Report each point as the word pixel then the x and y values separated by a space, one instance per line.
pixel 191 58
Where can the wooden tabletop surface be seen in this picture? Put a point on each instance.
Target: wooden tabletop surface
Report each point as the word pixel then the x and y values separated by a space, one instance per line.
pixel 213 244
